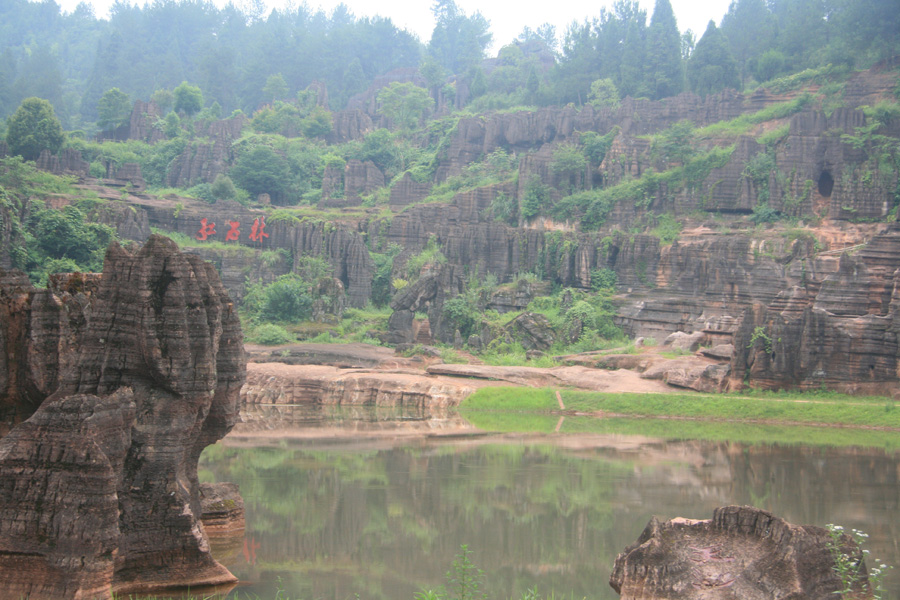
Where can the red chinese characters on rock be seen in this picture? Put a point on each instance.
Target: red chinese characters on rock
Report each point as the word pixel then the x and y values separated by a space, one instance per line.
pixel 258 231
pixel 206 229
pixel 233 233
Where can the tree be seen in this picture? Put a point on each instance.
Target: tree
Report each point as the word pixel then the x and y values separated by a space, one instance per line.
pixel 171 125
pixel 458 41
pixel 261 171
pixel 632 69
pixel 67 233
pixel 546 34
pixel 532 84
pixel 318 123
pixel 33 128
pixel 750 29
pixel 222 187
pixel 769 65
pixel 188 98
pixel 536 196
pixel 664 73
pixel 287 299
pixel 404 104
pixel 712 68
pixel 604 94
pixel 163 99
pixel 114 108
pixel 276 88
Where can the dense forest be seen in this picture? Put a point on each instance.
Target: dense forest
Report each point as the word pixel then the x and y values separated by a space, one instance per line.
pixel 73 59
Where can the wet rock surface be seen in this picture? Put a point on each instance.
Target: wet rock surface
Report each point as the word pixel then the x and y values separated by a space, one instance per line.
pixel 741 553
pixel 106 468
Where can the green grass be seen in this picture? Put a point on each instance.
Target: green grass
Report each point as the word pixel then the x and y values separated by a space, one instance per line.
pixel 826 408
pixel 186 241
pixel 742 124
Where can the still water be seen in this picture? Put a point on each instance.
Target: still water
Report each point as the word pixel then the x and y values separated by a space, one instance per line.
pixel 377 504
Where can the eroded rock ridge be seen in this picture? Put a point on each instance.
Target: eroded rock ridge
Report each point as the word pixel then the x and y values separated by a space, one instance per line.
pixel 99 487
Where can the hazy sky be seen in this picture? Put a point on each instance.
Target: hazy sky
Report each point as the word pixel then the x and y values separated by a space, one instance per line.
pixel 507 17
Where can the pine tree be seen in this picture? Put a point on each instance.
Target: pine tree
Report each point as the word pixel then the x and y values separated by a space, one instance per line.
pixel 750 30
pixel 664 73
pixel 634 52
pixel 712 68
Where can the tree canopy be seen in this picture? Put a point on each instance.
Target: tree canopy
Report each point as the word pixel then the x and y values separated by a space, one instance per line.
pixel 664 73
pixel 33 128
pixel 458 41
pixel 188 98
pixel 404 103
pixel 712 68
pixel 113 109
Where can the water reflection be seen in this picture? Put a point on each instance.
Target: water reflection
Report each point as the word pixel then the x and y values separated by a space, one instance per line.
pixel 377 504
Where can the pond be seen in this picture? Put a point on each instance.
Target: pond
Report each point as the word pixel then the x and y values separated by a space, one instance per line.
pixel 373 504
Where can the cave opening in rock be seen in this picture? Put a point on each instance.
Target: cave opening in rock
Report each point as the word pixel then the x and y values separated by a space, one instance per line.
pixel 826 184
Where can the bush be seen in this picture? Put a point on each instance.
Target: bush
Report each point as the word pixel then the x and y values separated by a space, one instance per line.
pixel 462 314
pixel 286 299
pixel 223 188
pixel 537 195
pixel 603 279
pixel 269 334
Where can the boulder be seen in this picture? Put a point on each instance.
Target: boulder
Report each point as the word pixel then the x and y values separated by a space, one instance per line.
pixel 719 352
pixel 100 491
pixel 742 553
pixel 686 342
pixel 533 330
pixel 222 508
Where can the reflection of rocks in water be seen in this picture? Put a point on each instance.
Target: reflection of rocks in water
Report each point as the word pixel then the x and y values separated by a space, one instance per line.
pixel 742 553
pixel 399 510
pixel 349 422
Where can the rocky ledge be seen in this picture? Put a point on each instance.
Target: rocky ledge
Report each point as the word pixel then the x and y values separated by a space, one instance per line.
pixel 98 488
pixel 742 553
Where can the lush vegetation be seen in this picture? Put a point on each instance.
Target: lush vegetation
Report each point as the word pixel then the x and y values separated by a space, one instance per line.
pixel 45 239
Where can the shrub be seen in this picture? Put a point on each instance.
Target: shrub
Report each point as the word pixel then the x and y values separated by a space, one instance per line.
pixel 269 334
pixel 286 299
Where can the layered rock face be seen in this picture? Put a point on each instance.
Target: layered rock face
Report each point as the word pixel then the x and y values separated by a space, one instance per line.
pixel 843 334
pixel 742 553
pixel 40 335
pixel 102 479
pixel 204 161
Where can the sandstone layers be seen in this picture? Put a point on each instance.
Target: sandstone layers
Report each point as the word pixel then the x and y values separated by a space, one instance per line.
pixel 742 553
pixel 99 489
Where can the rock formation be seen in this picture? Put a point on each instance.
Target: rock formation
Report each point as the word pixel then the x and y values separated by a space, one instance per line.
pixel 343 186
pixel 202 162
pixel 100 491
pixel 68 162
pixel 41 331
pixel 742 553
pixel 843 333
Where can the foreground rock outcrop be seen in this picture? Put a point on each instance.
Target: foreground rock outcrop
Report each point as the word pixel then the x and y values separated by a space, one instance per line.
pixel 741 553
pixel 99 489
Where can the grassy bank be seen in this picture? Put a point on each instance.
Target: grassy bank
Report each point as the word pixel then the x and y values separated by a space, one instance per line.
pixel 534 409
